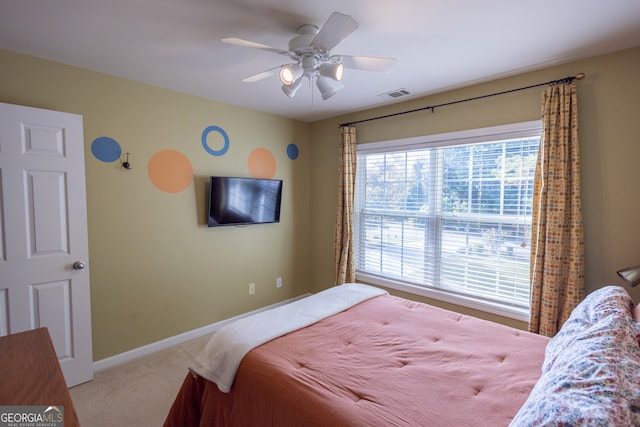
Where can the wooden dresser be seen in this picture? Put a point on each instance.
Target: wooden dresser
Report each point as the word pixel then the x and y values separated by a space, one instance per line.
pixel 31 374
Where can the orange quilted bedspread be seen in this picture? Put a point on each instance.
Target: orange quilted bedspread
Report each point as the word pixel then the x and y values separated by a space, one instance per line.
pixel 385 362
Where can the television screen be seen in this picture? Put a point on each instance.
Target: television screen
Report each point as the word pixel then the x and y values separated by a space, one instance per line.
pixel 238 201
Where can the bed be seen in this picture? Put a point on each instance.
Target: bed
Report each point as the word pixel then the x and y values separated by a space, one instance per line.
pixel 389 361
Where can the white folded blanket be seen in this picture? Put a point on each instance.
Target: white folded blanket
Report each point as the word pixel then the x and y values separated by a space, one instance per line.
pixel 218 361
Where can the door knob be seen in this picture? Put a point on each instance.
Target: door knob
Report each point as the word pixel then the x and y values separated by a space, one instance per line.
pixel 78 265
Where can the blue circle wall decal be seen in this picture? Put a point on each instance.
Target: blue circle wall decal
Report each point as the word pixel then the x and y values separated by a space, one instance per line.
pixel 106 149
pixel 210 150
pixel 292 151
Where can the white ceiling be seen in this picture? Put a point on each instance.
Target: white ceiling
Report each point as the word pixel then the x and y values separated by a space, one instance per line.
pixel 438 44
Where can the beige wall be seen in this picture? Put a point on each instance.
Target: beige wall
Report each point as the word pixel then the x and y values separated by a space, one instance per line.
pixel 609 120
pixel 156 270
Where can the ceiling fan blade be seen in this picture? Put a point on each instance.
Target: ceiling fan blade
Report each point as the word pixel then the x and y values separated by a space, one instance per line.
pixel 246 43
pixel 260 76
pixel 366 63
pixel 336 29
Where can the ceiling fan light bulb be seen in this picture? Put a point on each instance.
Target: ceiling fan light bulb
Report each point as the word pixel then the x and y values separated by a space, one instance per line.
pixel 332 70
pixel 339 72
pixel 290 73
pixel 285 76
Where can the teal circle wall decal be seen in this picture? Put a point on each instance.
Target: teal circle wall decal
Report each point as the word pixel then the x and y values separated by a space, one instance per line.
pixel 210 150
pixel 106 149
pixel 292 151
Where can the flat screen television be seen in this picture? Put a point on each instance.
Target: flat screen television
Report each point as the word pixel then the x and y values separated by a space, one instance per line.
pixel 243 201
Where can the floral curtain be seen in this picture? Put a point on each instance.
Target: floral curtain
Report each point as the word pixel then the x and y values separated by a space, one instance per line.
pixel 557 252
pixel 343 240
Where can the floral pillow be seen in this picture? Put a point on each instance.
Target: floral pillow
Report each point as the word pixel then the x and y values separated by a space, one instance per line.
pixel 591 372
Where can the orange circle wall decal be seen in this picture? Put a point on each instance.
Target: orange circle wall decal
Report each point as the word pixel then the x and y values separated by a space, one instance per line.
pixel 170 171
pixel 261 163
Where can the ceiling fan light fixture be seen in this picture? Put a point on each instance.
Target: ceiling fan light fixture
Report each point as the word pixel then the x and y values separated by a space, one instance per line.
pixel 289 74
pixel 310 55
pixel 328 86
pixel 290 90
pixel 332 70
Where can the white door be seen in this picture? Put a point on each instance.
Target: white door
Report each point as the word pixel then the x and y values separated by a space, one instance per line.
pixel 44 265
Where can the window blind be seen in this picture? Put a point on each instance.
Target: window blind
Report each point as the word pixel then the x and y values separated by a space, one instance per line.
pixel 455 217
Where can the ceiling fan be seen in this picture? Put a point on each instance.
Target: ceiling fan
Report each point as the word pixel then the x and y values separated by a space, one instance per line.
pixel 310 52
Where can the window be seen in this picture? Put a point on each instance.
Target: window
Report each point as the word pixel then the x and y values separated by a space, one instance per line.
pixel 449 216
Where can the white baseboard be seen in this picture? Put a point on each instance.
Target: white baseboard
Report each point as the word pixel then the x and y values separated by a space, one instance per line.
pixel 145 350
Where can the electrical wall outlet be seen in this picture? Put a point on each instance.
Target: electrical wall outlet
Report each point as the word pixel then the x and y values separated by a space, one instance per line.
pixel 279 282
pixel 252 288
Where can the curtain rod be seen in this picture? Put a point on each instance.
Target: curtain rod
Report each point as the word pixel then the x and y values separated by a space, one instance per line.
pixel 569 79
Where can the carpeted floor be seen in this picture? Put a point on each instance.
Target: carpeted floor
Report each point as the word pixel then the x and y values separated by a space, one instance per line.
pixel 138 393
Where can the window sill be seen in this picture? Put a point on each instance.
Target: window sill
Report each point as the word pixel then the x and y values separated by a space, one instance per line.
pixel 469 302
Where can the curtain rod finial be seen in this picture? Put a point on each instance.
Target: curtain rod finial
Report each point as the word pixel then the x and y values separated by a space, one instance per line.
pixel 580 76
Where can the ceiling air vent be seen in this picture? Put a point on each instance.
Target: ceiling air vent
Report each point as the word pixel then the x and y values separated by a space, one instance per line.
pixel 394 94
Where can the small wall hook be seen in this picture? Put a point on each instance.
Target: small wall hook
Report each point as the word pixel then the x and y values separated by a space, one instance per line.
pixel 125 164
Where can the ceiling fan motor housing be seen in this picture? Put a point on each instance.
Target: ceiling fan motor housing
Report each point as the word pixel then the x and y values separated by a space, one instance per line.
pixel 310 57
pixel 301 43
